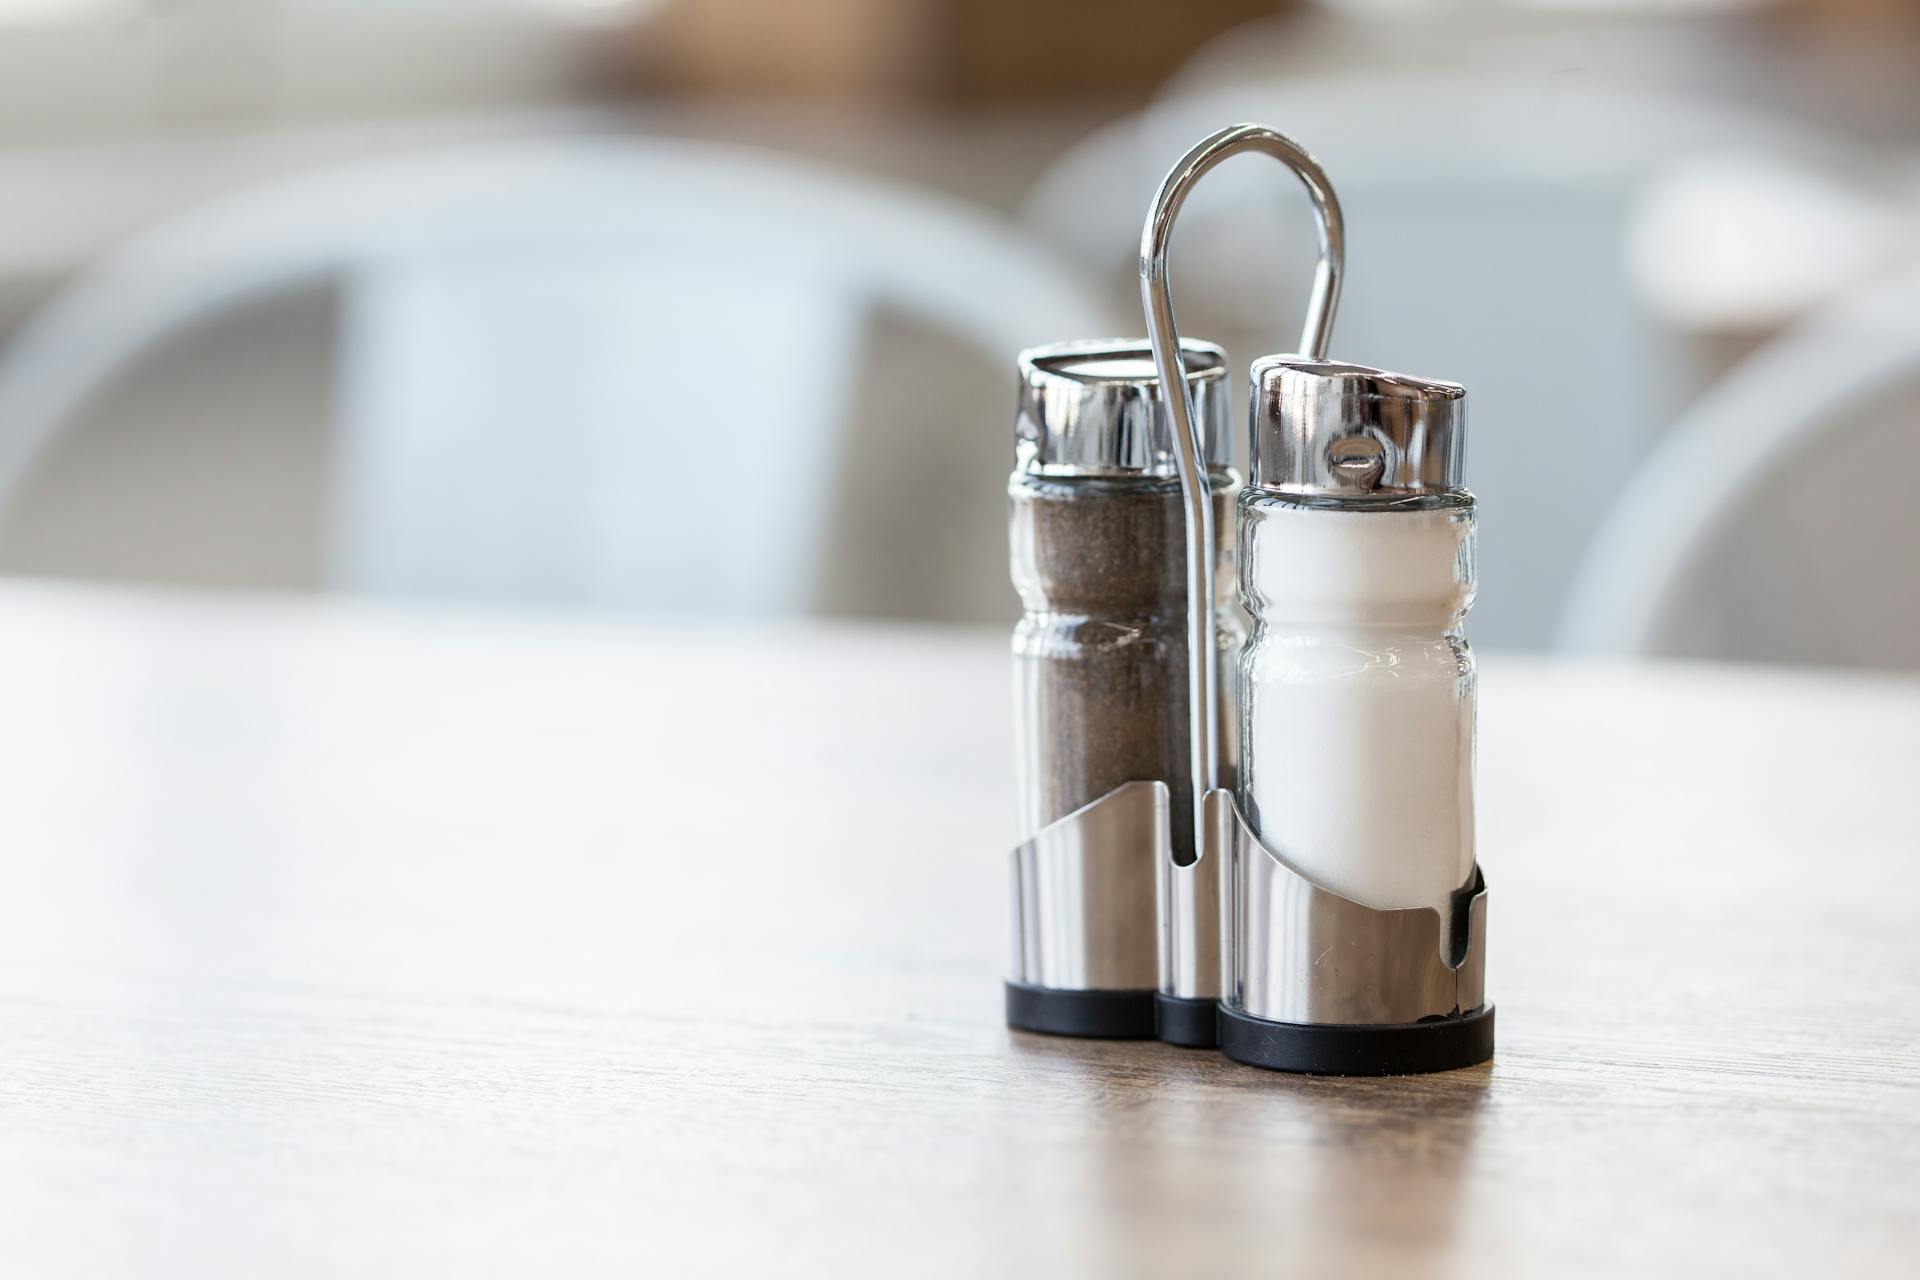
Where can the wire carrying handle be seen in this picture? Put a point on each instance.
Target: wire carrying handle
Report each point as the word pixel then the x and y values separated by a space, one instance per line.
pixel 1189 452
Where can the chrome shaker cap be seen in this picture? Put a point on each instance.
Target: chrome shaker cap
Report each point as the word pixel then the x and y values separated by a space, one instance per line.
pixel 1094 408
pixel 1326 429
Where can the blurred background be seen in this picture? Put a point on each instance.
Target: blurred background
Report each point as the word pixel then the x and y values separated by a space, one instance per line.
pixel 709 307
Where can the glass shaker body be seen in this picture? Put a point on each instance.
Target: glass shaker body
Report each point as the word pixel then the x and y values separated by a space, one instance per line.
pixel 1100 655
pixel 1358 690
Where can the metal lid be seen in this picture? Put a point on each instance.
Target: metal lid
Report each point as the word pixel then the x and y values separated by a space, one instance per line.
pixel 1094 408
pixel 1328 429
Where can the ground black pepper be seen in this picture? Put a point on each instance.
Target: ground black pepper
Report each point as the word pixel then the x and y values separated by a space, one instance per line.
pixel 1100 658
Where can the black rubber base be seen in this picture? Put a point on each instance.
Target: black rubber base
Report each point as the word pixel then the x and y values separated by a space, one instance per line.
pixel 1102 1015
pixel 1402 1049
pixel 1193 1023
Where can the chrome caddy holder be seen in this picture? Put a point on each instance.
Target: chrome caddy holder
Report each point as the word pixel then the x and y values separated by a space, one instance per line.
pixel 1193 898
pixel 1324 985
pixel 1186 1007
pixel 1083 910
pixel 1313 981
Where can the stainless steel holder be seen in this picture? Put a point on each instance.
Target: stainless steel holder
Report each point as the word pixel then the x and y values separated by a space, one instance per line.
pixel 1313 981
pixel 1322 984
pixel 1193 921
pixel 1083 905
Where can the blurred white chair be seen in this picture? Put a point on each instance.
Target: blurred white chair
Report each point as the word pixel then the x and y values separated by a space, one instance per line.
pixel 1777 521
pixel 1738 247
pixel 1486 217
pixel 618 373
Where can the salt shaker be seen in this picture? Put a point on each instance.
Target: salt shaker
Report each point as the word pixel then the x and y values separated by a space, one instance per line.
pixel 1355 913
pixel 1097 529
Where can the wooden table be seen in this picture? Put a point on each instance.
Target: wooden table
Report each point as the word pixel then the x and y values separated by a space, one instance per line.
pixel 346 942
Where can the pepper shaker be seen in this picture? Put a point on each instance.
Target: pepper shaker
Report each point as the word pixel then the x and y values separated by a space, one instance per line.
pixel 1355 909
pixel 1096 530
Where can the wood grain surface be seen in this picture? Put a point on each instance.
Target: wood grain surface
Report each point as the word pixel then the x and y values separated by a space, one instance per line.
pixel 347 942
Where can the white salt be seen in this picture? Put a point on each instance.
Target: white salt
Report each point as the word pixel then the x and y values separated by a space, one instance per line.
pixel 1358 703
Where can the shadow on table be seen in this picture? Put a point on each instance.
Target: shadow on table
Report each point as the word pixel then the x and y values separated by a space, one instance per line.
pixel 1243 1166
